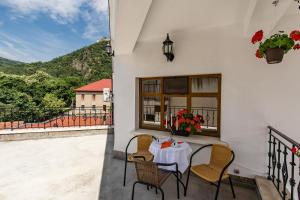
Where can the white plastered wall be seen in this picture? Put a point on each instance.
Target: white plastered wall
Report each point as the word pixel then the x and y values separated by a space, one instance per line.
pixel 254 94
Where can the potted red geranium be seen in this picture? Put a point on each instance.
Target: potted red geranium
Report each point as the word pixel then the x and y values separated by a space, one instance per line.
pixel 186 123
pixel 274 47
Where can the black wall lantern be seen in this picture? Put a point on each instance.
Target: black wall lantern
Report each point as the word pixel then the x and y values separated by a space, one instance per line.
pixel 109 50
pixel 168 49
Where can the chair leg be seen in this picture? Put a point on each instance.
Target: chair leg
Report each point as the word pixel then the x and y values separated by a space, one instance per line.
pixel 148 187
pixel 155 190
pixel 162 193
pixel 187 182
pixel 177 182
pixel 218 188
pixel 180 174
pixel 125 172
pixel 231 185
pixel 132 193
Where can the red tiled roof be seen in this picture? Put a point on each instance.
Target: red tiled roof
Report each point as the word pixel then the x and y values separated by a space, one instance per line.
pixel 96 86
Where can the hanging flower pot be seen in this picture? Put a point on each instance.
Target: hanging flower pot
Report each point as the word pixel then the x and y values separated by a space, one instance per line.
pixel 274 47
pixel 274 55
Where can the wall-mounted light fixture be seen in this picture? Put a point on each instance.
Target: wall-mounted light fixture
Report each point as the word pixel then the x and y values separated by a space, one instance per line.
pixel 168 48
pixel 109 50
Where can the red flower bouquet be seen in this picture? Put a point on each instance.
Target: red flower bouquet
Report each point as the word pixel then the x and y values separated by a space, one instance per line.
pixel 187 123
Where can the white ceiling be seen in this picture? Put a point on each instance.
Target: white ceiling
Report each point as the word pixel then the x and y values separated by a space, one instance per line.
pixel 150 19
pixel 177 15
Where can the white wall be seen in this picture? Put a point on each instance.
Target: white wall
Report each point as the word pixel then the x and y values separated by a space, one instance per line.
pixel 254 94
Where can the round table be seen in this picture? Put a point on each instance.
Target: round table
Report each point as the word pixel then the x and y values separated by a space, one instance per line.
pixel 179 154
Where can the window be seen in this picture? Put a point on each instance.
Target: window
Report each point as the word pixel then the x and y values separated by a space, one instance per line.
pixel 162 97
pixel 94 97
pixel 82 97
pixel 94 107
pixel 82 107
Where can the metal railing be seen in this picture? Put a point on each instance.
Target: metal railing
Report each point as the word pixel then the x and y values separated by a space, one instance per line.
pixel 209 114
pixel 14 118
pixel 281 166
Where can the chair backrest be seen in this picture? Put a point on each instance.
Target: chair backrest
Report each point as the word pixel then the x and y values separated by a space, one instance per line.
pixel 221 155
pixel 147 172
pixel 144 142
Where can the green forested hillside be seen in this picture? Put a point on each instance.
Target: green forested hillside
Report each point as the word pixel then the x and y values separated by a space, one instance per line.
pixel 9 66
pixel 34 87
pixel 89 64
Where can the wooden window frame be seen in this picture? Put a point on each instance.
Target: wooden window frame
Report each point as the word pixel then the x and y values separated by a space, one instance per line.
pixel 189 96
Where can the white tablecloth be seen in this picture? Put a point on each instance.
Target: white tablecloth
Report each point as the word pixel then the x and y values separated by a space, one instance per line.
pixel 179 154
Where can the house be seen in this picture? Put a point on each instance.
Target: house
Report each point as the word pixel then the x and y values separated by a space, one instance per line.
pixel 213 72
pixel 94 95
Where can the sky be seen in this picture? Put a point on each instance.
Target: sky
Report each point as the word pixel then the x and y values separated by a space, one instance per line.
pixel 40 30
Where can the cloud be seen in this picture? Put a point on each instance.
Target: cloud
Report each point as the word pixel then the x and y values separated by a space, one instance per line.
pixel 1 23
pixel 66 10
pixel 99 5
pixel 63 12
pixel 97 25
pixel 41 46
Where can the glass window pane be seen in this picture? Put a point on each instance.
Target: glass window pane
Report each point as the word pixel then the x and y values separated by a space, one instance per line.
pixel 176 85
pixel 151 111
pixel 172 106
pixel 208 108
pixel 151 86
pixel 204 85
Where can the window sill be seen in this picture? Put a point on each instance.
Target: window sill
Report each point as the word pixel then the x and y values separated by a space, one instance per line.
pixel 194 139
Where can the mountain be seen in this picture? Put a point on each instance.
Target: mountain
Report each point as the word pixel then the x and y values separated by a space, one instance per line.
pixel 90 63
pixel 7 65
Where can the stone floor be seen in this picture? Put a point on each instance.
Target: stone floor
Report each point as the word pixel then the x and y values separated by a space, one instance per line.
pixel 112 189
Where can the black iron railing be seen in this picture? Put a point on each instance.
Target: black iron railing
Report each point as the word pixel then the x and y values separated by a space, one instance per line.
pixel 282 165
pixel 209 114
pixel 14 118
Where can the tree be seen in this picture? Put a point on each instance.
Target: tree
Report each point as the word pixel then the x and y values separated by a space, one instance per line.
pixel 51 101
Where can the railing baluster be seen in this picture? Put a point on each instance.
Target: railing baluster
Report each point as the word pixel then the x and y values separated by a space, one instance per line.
pixel 91 117
pixel 31 119
pixel 274 159
pixel 4 117
pixel 284 173
pixel 11 119
pixel 292 179
pixel 68 118
pixel 44 118
pixel 85 117
pixel 278 164
pixel 79 118
pixel 270 154
pixel 207 118
pixel 213 118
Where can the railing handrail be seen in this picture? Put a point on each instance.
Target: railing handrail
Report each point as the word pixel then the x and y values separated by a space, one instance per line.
pixel 287 138
pixel 16 118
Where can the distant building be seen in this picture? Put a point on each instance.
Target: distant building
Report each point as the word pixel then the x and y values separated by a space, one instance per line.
pixel 94 95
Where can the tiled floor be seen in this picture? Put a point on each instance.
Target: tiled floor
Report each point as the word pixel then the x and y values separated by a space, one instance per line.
pixel 112 188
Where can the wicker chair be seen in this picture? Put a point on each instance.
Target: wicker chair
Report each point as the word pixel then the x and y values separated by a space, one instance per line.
pixel 149 174
pixel 143 144
pixel 216 171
